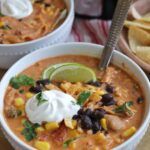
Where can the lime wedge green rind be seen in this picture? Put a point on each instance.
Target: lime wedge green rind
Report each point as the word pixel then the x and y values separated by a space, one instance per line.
pixel 73 73
pixel 47 72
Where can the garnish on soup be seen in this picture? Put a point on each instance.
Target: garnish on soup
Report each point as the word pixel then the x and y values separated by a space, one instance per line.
pixel 21 80
pixel 69 111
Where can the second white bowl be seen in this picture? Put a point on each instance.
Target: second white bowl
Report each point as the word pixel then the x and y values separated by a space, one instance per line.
pixel 10 53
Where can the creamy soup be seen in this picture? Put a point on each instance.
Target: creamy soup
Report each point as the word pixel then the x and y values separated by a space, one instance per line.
pixel 46 16
pixel 110 109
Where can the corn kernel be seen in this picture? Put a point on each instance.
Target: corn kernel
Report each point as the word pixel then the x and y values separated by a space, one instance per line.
pixel 73 133
pixel 96 148
pixel 42 145
pixel 95 97
pixel 100 137
pixel 79 130
pixel 39 129
pixel 101 92
pixel 72 146
pixel 103 123
pixel 104 147
pixel 118 140
pixel 74 123
pixel 129 132
pixel 19 102
pixel 23 120
pixel 51 126
pixel 2 24
pixel 29 95
pixel 70 123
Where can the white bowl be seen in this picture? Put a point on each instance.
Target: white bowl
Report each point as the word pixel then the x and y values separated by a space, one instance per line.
pixel 118 59
pixel 10 53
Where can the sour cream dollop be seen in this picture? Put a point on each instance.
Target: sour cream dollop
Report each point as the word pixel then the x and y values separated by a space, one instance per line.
pixel 56 108
pixel 16 8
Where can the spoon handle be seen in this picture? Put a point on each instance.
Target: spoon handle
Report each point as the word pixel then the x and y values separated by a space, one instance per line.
pixel 115 30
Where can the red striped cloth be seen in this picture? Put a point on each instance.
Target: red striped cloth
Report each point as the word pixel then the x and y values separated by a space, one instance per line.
pixel 92 31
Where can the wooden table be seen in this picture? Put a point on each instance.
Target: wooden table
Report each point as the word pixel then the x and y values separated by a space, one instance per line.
pixel 144 144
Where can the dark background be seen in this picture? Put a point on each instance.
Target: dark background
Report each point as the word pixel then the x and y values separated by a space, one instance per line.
pixel 107 11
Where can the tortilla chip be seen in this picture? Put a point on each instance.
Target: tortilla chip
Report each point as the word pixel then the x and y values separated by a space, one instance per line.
pixel 137 23
pixel 143 52
pixel 145 18
pixel 147 15
pixel 138 37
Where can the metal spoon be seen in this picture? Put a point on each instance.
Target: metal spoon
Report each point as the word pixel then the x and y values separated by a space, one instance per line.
pixel 115 30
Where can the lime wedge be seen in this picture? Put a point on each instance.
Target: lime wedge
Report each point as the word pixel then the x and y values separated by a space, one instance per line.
pixel 73 73
pixel 47 72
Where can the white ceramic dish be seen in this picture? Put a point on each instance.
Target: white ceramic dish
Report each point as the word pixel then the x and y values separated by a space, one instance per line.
pixel 10 53
pixel 118 59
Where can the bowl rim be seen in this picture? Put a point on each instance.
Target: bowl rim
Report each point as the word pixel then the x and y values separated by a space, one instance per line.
pixel 11 134
pixel 70 12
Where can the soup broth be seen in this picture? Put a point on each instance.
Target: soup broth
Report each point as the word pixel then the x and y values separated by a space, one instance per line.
pixel 111 114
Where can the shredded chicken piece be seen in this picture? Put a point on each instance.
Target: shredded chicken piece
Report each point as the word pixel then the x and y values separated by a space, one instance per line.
pixel 52 87
pixel 115 123
pixel 120 102
pixel 108 110
pixel 10 95
pixel 72 89
pixel 12 112
pixel 109 75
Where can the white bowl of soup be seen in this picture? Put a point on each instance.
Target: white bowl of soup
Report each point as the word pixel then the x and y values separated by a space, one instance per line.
pixel 50 23
pixel 41 107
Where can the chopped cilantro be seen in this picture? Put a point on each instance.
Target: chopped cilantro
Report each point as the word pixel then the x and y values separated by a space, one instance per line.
pixel 21 91
pixel 6 27
pixel 124 108
pixel 40 98
pixel 66 143
pixel 83 97
pixel 29 130
pixel 19 112
pixel 21 80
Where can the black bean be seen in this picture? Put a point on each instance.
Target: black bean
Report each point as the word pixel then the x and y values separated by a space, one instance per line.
pixel 96 127
pixel 88 112
pixel 76 117
pixel 95 83
pixel 98 114
pixel 108 100
pixel 81 112
pixel 107 96
pixel 140 100
pixel 36 89
pixel 86 122
pixel 43 82
pixel 109 88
